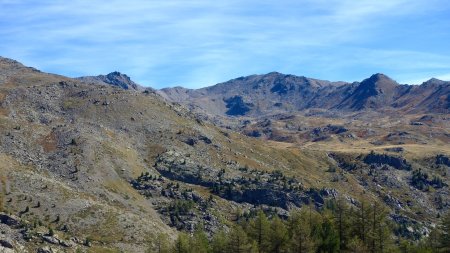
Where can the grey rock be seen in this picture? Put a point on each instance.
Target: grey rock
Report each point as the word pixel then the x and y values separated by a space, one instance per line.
pixel 45 250
pixel 66 244
pixel 51 239
pixel 380 159
pixel 6 244
pixel 10 220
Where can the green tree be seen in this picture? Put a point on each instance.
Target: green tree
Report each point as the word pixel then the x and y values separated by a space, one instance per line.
pixel 278 235
pixel 341 214
pixel 356 245
pixel 359 221
pixel 219 242
pixel 181 244
pixel 329 237
pixel 433 240
pixel 259 229
pixel 445 233
pixel 300 233
pixel 239 242
pixel 160 244
pixel 199 242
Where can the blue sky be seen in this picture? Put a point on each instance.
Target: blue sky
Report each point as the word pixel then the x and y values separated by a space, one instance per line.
pixel 196 43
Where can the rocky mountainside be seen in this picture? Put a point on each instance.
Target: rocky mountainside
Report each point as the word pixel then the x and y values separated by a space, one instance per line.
pixel 101 168
pixel 114 78
pixel 375 92
pixel 275 93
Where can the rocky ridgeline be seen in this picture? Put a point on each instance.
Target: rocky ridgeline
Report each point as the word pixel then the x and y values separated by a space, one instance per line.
pixel 383 159
pixel 185 209
pixel 241 184
pixel 180 207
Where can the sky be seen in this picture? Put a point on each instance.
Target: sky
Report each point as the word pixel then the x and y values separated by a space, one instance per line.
pixel 198 43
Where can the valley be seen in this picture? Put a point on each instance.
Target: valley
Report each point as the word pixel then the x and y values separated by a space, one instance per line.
pixel 102 164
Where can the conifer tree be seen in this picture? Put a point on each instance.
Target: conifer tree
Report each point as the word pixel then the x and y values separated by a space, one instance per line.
pixel 259 229
pixel 300 233
pixel 160 245
pixel 219 242
pixel 278 235
pixel 199 242
pixel 445 233
pixel 328 236
pixel 239 242
pixel 181 245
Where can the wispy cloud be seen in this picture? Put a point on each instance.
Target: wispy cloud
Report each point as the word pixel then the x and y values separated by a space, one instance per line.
pixel 199 42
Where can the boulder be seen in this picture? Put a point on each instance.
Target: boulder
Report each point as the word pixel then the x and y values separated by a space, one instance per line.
pixel 51 239
pixel 9 220
pixel 66 244
pixel 6 244
pixel 45 250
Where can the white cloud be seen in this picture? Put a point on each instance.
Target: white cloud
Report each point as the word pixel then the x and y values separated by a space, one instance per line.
pixel 201 42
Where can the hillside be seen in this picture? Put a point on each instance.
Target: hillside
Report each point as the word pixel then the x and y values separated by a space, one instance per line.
pixel 98 167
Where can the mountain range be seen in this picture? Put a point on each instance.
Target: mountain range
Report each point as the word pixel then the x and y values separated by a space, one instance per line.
pixel 275 93
pixel 102 164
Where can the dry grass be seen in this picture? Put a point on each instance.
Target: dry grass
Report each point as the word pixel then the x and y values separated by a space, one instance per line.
pixel 49 142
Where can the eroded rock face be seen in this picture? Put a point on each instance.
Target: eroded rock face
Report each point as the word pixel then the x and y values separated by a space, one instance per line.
pixel 180 207
pixel 186 209
pixel 242 186
pixel 236 106
pixel 380 159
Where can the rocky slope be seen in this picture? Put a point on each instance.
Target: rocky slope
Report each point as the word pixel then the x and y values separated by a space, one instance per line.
pixel 101 168
pixel 75 159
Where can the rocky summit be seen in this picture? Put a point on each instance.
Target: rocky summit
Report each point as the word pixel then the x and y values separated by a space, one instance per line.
pixel 101 164
pixel 114 78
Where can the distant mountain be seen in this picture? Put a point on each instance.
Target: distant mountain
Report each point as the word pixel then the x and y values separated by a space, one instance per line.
pixel 432 96
pixel 372 93
pixel 114 78
pixel 254 94
pixel 276 92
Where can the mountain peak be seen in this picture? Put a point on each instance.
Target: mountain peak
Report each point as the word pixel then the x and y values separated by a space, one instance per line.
pixel 434 81
pixel 118 79
pixel 380 77
pixel 116 74
pixel 379 82
pixel 114 78
pixel 374 92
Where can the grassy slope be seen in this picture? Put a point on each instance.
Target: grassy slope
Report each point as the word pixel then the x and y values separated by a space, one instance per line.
pixel 118 135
